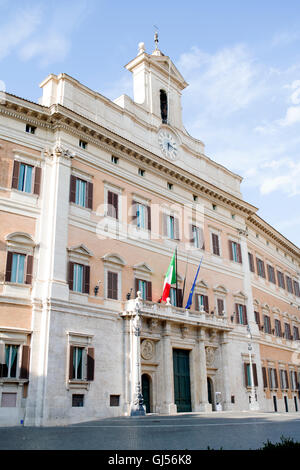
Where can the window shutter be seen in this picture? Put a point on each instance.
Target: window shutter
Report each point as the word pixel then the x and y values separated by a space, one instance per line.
pixel 37 180
pixel 254 375
pixel 191 234
pixel 176 228
pixel 90 363
pixel 8 266
pixel 136 281
pixel 215 243
pixel 149 291
pixel 15 176
pixel 149 217
pixel 89 198
pixel 239 253
pixel 71 275
pixel 276 378
pixel 112 285
pixel 263 269
pixel 246 375
pixel 220 304
pixel 201 239
pixel 206 305
pixel 264 374
pixel 28 279
pixel 179 298
pixel 237 314
pixel 245 319
pixel 71 374
pixel 286 379
pixel 24 372
pixel 2 358
pixel 197 304
pixel 257 318
pixel 116 205
pixel 270 378
pixel 86 279
pixel 72 188
pixel 230 250
pixel 251 262
pixel 165 219
pixel 134 212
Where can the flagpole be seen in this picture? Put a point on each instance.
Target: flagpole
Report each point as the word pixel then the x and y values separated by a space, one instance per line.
pixel 176 277
pixel 185 278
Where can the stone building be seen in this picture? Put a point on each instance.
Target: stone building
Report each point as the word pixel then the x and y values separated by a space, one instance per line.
pixel 95 195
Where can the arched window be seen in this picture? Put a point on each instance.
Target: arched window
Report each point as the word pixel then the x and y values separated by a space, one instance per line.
pixel 164 106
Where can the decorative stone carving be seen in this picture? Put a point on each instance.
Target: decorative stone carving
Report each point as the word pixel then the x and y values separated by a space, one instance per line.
pixel 184 330
pixel 210 355
pixel 147 349
pixel 152 324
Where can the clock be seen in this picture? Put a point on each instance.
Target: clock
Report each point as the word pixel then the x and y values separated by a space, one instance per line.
pixel 168 144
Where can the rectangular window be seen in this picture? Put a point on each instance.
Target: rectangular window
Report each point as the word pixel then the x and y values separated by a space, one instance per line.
pixel 247 371
pixel 141 172
pixel 257 318
pixel 30 129
pixel 296 333
pixel 289 284
pixel 251 262
pixel 113 204
pixel 25 178
pixel 82 144
pixel 235 251
pixel 280 278
pixel 114 160
pixel 241 314
pixel 296 288
pixel 142 287
pixel 141 214
pixel 8 400
pixel 265 380
pixel 215 244
pixel 220 306
pixel 197 237
pixel 267 324
pixel 18 268
pixel 201 300
pixel 77 400
pixel 273 381
pixel 77 362
pixel 114 400
pixel 80 192
pixel 112 285
pixel 278 328
pixel 78 277
pixel 287 331
pixel 260 267
pixel 11 361
pixel 271 274
pixel 173 299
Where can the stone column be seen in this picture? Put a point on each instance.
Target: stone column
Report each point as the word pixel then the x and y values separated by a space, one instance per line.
pixel 225 354
pixel 168 405
pixel 203 394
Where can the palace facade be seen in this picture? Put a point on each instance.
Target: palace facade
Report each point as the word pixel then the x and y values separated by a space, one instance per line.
pixel 95 195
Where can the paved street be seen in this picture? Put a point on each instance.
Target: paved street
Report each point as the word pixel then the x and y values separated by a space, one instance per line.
pixel 231 431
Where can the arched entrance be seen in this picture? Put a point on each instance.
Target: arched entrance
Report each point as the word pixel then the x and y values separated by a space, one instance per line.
pixel 146 391
pixel 210 392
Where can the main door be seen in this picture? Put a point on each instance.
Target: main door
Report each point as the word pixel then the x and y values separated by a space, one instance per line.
pixel 146 391
pixel 182 390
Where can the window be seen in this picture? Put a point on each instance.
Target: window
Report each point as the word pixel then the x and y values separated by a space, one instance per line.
pixel 271 274
pixel 26 178
pixel 201 303
pixel 30 129
pixel 296 288
pixel 141 172
pixel 195 198
pixel 9 368
pixel 214 207
pixel 176 300
pixel 287 331
pixel 289 284
pixel 141 215
pixel 284 384
pixel 247 373
pixel 79 278
pixel 8 400
pixel 81 192
pixel 273 380
pixel 113 204
pixel 215 244
pixel 197 237
pixel 267 324
pixel 77 400
pixel 19 268
pixel 235 251
pixel 257 318
pixel 264 374
pixel 114 160
pixel 77 361
pixel 220 307
pixel 81 361
pixel 260 267
pixel 278 331
pixel 171 226
pixel 241 314
pixel 280 278
pixel 82 144
pixel 296 333
pixel 145 287
pixel 170 186
pixel 112 285
pixel 164 106
pixel 251 262
pixel 114 400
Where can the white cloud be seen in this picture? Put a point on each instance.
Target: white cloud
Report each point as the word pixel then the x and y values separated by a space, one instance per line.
pixel 285 38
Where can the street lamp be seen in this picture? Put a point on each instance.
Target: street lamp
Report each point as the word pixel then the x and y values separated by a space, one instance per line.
pixel 137 405
pixel 253 403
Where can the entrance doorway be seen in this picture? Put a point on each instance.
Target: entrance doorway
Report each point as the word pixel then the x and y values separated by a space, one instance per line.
pixel 146 392
pixel 296 404
pixel 286 404
pixel 182 388
pixel 275 403
pixel 210 393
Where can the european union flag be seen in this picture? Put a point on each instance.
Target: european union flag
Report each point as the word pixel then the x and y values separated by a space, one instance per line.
pixel 190 299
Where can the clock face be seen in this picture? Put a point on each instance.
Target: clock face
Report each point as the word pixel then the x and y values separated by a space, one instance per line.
pixel 168 144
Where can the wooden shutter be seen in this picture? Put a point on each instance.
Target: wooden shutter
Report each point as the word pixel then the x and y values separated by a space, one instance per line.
pixel 37 180
pixel 149 217
pixel 134 212
pixel 90 363
pixel 86 279
pixel 28 279
pixel 206 305
pixel 215 242
pixel 245 319
pixel 230 250
pixel 276 378
pixel 254 375
pixel 136 282
pixel 112 289
pixel 71 275
pixel 72 188
pixel 201 239
pixel 165 219
pixel 263 269
pixel 264 374
pixel 251 262
pixel 270 378
pixel 71 376
pixel 149 290
pixel 237 314
pixel 15 176
pixel 24 372
pixel 197 303
pixel 220 304
pixel 8 266
pixel 179 298
pixel 239 253
pixel 257 318
pixel 246 375
pixel 89 198
pixel 116 205
pixel 191 234
pixel 176 229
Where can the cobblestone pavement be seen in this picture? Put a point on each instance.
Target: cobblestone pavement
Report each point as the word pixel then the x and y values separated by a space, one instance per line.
pixel 190 431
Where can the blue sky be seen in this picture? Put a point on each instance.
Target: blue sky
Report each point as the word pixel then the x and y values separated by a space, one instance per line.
pixel 240 58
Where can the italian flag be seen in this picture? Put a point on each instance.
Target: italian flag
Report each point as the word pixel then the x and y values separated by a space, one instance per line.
pixel 169 279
